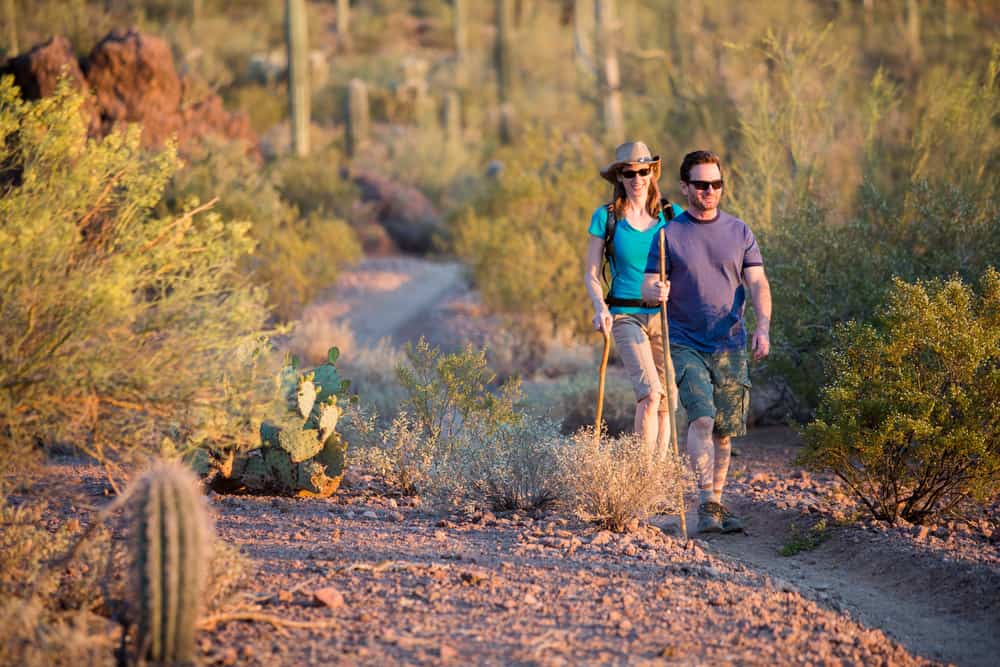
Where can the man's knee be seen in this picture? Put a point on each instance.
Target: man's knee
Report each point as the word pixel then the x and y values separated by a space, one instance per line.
pixel 722 441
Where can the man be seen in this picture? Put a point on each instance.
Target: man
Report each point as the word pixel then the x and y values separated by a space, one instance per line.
pixel 711 258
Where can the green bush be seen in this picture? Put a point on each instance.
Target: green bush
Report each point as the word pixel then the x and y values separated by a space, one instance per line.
pixel 119 328
pixel 296 255
pixel 534 216
pixel 941 217
pixel 911 419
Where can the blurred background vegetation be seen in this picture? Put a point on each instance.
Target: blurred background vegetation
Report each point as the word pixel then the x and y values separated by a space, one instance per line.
pixel 860 137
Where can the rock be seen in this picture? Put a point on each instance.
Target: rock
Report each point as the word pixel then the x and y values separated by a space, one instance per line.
pixel 396 517
pixel 329 597
pixel 772 401
pixel 407 214
pixel 603 537
pixel 133 80
pixel 447 653
pixel 370 514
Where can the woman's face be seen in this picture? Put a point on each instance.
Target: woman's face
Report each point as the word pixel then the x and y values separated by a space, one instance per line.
pixel 636 178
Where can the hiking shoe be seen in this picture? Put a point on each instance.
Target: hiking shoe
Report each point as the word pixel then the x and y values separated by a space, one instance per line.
pixel 710 518
pixel 730 522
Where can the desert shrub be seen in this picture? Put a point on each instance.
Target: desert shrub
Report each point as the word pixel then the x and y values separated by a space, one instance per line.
pixel 517 468
pixel 911 418
pixel 572 400
pixel 296 255
pixel 448 407
pixel 315 184
pixel 120 327
pixel 534 215
pixel 943 218
pixel 450 397
pixel 616 482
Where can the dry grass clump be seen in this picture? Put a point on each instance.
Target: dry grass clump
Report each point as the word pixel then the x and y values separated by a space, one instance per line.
pixel 573 399
pixel 515 469
pixel 617 483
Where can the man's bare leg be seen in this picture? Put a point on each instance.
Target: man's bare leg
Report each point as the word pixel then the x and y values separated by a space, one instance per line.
pixel 701 449
pixel 723 453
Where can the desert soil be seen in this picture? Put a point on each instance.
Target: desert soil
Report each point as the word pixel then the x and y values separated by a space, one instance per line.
pixel 395 583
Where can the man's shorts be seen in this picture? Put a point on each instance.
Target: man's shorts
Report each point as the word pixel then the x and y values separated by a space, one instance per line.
pixel 714 385
pixel 639 341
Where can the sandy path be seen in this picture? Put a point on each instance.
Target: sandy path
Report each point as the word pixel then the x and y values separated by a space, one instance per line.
pixel 940 600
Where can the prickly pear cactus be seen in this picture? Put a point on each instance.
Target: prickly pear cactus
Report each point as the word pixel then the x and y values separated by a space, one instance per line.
pixel 302 454
pixel 170 553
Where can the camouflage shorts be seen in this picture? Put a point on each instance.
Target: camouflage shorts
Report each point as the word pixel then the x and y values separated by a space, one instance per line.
pixel 714 385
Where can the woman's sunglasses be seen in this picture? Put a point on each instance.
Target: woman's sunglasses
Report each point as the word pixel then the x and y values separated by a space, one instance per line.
pixel 632 173
pixel 704 185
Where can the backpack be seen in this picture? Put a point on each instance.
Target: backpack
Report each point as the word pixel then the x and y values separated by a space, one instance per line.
pixel 609 253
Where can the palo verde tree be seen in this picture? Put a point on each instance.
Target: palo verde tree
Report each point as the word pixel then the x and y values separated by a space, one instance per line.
pixel 118 328
pixel 911 420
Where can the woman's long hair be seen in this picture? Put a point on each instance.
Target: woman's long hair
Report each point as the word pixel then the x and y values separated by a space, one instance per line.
pixel 620 198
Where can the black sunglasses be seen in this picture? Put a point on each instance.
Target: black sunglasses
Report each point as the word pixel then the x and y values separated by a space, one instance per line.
pixel 704 185
pixel 632 173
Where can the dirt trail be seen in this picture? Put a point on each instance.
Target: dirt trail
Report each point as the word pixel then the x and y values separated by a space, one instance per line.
pixel 942 603
pixel 939 598
pixel 380 298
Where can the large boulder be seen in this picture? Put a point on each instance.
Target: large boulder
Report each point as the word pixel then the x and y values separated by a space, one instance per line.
pixel 37 73
pixel 408 216
pixel 132 79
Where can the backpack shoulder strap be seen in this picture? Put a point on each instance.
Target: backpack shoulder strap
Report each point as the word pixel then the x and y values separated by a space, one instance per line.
pixel 668 208
pixel 609 244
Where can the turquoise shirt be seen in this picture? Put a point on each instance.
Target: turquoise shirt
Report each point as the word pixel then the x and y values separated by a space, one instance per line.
pixel 631 251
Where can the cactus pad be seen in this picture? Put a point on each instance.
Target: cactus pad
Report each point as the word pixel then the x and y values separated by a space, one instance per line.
pixel 305 398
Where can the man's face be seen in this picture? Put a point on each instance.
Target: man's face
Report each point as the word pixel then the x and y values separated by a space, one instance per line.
pixel 700 190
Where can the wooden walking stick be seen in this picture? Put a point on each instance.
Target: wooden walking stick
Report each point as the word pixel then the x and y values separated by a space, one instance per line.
pixel 668 380
pixel 600 385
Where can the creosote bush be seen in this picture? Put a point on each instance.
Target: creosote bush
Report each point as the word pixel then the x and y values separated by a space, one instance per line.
pixel 120 329
pixel 911 418
pixel 617 483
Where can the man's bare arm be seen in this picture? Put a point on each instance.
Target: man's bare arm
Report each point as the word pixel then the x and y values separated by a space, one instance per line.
pixel 760 297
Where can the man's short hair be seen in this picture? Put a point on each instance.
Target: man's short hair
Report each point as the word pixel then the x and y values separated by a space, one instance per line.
pixel 698 157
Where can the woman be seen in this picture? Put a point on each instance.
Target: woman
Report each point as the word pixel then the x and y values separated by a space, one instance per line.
pixel 636 216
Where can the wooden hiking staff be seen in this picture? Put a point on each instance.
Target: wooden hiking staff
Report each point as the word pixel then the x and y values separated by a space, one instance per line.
pixel 600 385
pixel 668 380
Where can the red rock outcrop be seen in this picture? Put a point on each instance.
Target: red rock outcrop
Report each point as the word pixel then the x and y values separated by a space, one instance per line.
pixel 132 79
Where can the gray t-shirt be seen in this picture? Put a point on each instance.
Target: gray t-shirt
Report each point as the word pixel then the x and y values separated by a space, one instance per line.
pixel 705 262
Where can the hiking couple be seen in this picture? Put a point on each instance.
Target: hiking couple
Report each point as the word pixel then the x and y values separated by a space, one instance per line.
pixel 711 260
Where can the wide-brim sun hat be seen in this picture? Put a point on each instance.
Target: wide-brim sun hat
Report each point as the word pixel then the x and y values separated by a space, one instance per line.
pixel 631 152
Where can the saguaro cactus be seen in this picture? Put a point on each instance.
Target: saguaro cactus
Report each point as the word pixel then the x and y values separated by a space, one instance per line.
pixel 296 39
pixel 452 121
pixel 503 61
pixel 357 115
pixel 10 17
pixel 170 555
pixel 344 24
pixel 609 78
pixel 460 18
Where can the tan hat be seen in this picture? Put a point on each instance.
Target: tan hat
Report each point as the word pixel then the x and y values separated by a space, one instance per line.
pixel 632 152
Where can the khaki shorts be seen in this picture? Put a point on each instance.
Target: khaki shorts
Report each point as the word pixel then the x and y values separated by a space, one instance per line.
pixel 639 341
pixel 714 385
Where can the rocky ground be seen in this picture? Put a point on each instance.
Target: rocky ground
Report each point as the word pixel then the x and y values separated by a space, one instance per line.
pixel 370 577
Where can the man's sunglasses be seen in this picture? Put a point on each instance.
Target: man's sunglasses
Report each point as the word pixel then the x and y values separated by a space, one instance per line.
pixel 704 185
pixel 632 173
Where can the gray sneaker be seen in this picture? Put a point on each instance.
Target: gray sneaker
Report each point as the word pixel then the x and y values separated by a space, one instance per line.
pixel 710 518
pixel 730 522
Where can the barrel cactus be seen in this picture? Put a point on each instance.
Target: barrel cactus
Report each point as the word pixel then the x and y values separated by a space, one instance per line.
pixel 170 553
